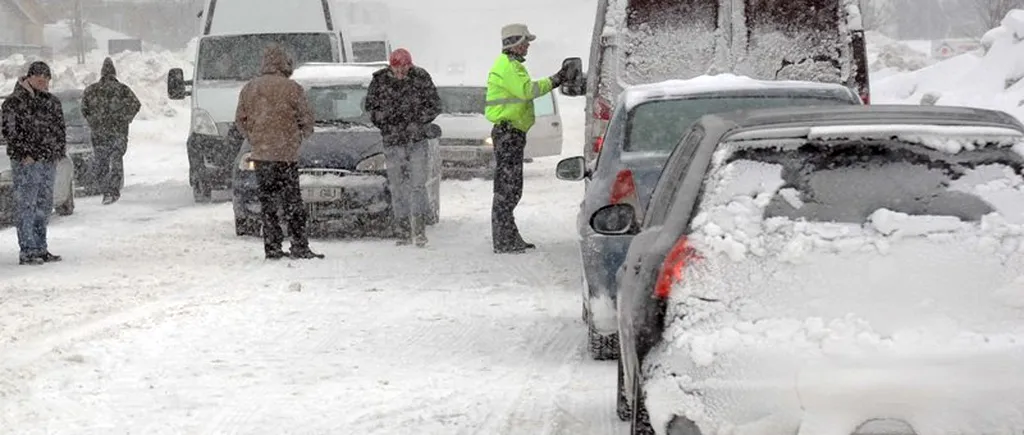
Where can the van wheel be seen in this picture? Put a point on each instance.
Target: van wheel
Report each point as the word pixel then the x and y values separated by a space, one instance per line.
pixel 641 422
pixel 202 192
pixel 68 207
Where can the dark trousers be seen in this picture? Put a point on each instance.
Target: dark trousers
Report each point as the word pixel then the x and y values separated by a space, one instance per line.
pixel 279 189
pixel 509 145
pixel 108 164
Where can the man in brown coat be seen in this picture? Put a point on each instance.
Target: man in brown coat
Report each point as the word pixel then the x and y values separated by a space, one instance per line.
pixel 275 117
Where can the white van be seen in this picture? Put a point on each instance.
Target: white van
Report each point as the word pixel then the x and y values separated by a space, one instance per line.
pixel 365 44
pixel 233 34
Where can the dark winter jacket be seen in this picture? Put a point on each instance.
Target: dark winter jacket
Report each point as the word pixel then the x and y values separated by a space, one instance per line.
pixel 109 105
pixel 33 125
pixel 396 104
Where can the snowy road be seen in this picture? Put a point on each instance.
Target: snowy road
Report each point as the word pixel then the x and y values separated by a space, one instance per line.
pixel 160 320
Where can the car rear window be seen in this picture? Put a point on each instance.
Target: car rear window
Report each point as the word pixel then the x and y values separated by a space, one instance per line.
pixel 462 100
pixel 659 125
pixel 847 182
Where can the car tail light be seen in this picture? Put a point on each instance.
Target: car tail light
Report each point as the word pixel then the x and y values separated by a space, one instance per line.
pixel 602 110
pixel 598 143
pixel 865 97
pixel 624 187
pixel 672 269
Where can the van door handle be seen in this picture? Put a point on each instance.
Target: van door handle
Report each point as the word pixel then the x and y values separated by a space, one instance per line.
pixel 555 124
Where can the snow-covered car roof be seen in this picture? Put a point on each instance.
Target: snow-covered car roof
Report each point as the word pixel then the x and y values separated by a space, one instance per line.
pixel 638 94
pixel 328 74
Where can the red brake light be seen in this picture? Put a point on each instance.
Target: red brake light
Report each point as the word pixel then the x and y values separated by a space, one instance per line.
pixel 672 269
pixel 598 143
pixel 602 110
pixel 866 98
pixel 624 186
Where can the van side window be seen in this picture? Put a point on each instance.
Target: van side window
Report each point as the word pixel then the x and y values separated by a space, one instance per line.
pixel 672 177
pixel 544 105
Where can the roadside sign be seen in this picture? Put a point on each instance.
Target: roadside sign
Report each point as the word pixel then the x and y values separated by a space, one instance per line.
pixel 947 48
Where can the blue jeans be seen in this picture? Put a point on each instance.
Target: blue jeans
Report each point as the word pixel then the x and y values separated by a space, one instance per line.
pixel 407 181
pixel 33 197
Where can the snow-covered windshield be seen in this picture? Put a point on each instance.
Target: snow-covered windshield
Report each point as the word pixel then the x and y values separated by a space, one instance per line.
pixel 658 125
pixel 332 104
pixel 369 51
pixel 848 182
pixel 462 100
pixel 240 57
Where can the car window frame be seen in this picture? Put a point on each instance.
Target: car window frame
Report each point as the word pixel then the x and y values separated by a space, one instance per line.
pixel 672 175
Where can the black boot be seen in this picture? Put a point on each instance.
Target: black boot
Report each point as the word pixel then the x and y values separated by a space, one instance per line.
pixel 274 252
pixel 303 253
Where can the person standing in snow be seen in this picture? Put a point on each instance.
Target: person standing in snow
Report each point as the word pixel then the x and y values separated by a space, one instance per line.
pixel 509 106
pixel 274 115
pixel 109 107
pixel 403 102
pixel 33 125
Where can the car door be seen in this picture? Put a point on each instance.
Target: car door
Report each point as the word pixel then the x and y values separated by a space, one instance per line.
pixel 545 138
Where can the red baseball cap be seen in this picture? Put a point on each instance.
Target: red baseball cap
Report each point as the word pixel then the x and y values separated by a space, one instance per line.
pixel 400 57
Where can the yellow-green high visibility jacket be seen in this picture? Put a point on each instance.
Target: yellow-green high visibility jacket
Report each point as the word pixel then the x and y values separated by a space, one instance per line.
pixel 510 93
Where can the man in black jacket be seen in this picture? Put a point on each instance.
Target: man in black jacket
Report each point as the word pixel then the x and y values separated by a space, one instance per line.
pixel 109 106
pixel 33 125
pixel 403 102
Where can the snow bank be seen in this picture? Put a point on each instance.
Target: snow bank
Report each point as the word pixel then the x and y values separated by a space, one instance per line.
pixel 145 73
pixel 887 56
pixel 990 80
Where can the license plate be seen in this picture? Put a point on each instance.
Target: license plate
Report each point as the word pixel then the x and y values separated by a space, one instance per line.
pixel 460 155
pixel 321 194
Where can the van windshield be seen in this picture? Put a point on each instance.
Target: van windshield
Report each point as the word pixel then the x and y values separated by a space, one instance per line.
pixel 659 125
pixel 462 100
pixel 369 51
pixel 239 57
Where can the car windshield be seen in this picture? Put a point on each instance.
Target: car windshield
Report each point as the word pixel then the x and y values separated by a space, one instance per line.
pixel 369 51
pixel 239 57
pixel 338 104
pixel 73 111
pixel 462 100
pixel 847 182
pixel 659 125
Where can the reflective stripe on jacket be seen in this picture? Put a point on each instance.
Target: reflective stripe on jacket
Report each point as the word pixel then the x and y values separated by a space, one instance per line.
pixel 510 93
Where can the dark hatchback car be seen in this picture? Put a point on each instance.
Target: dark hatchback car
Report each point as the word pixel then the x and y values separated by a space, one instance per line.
pixel 79 137
pixel 659 253
pixel 647 124
pixel 343 172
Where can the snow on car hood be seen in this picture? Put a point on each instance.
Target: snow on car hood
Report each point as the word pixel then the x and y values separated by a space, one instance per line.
pixel 464 126
pixel 337 147
pixel 786 324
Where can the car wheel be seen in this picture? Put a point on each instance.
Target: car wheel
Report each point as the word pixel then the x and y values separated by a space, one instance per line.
pixel 640 423
pixel 622 402
pixel 202 192
pixel 247 227
pixel 602 347
pixel 68 207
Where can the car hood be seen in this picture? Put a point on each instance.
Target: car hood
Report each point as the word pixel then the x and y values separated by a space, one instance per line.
pixel 475 127
pixel 337 148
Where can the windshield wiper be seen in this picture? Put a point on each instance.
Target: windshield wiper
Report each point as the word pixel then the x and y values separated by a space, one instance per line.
pixel 339 122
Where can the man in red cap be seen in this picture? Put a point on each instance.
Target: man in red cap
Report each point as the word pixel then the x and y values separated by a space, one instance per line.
pixel 403 102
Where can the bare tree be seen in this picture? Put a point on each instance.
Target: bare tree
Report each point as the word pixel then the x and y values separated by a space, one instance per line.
pixel 990 13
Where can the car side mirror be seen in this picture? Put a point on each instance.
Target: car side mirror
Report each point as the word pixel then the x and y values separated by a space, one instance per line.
pixel 177 86
pixel 575 83
pixel 571 169
pixel 613 220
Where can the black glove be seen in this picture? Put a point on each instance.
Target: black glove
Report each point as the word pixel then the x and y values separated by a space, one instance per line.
pixel 557 79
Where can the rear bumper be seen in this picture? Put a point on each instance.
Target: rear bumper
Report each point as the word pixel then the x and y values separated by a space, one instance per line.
pixel 366 196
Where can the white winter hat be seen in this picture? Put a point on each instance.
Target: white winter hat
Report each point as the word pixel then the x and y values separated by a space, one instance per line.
pixel 514 34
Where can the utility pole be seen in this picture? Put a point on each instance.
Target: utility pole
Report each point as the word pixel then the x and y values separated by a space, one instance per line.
pixel 78 32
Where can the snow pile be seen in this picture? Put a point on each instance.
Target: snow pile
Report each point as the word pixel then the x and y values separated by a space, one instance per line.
pixel 887 56
pixel 778 318
pixel 145 73
pixel 991 80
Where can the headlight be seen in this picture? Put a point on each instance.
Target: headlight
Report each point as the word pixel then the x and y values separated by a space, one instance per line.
pixel 203 123
pixel 6 177
pixel 246 164
pixel 489 141
pixel 376 162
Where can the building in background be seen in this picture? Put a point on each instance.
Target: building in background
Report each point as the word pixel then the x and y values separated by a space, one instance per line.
pixel 21 29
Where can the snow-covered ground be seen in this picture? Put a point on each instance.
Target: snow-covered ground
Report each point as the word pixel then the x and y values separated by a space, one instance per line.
pixel 160 320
